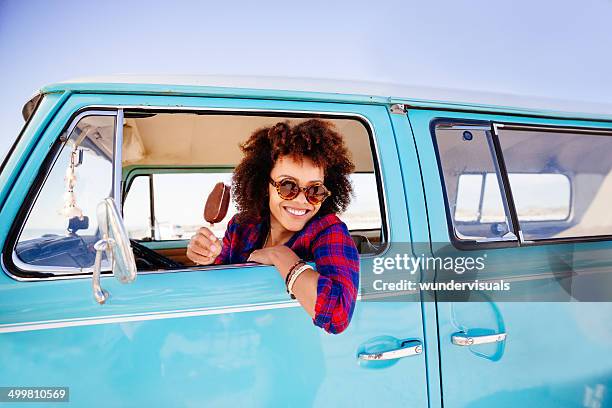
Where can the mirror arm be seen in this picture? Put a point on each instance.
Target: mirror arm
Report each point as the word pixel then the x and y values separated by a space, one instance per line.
pixel 103 245
pixel 116 243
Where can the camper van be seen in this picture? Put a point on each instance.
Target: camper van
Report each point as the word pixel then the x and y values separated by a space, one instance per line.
pixel 107 182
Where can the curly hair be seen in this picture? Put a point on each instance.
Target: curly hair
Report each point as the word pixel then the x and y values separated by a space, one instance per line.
pixel 314 139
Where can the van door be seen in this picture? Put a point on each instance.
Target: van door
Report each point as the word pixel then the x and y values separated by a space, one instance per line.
pixel 527 194
pixel 208 336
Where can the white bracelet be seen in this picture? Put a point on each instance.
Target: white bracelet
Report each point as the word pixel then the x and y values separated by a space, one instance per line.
pixel 295 275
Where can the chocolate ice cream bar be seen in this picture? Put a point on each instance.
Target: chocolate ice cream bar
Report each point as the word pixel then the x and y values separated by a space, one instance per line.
pixel 217 203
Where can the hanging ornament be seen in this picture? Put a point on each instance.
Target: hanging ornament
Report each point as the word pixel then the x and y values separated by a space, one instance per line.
pixel 71 209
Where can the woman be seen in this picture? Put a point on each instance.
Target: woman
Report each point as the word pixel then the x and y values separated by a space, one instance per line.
pixel 288 188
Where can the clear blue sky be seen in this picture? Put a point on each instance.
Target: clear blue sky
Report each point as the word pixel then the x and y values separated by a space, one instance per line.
pixel 547 48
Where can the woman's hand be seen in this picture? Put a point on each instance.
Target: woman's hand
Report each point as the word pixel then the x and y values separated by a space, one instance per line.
pixel 203 247
pixel 262 256
pixel 280 256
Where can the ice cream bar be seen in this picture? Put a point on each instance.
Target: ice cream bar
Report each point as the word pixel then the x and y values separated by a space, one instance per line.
pixel 217 203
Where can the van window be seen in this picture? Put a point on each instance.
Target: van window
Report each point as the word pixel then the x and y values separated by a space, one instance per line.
pixel 476 203
pixel 566 181
pixel 171 162
pixel 61 227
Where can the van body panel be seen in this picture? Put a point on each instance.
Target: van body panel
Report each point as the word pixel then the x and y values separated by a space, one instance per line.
pixel 552 354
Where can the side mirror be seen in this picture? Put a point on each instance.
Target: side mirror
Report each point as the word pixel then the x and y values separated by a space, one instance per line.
pixel 116 243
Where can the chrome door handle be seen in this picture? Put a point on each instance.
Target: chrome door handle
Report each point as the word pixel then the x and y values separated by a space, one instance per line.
pixel 409 348
pixel 464 339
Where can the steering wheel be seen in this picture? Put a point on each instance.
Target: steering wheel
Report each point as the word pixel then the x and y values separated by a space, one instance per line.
pixel 147 258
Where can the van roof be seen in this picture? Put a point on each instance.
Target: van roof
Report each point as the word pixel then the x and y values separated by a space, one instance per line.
pixel 334 90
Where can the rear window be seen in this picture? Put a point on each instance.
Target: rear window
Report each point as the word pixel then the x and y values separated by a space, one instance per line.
pixel 525 183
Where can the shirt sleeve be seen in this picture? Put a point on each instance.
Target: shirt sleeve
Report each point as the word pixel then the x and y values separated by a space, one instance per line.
pixel 224 256
pixel 337 262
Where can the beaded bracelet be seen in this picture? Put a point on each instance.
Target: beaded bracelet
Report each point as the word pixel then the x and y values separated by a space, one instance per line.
pixel 299 261
pixel 294 277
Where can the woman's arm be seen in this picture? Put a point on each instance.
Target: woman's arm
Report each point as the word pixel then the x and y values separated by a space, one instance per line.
pixel 337 262
pixel 328 294
pixel 305 287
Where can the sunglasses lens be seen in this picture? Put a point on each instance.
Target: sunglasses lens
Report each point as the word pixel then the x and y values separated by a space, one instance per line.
pixel 288 189
pixel 316 194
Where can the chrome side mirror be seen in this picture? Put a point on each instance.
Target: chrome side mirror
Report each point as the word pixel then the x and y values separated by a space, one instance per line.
pixel 116 244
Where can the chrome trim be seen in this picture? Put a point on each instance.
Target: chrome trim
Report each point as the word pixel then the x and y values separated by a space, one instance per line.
pixel 496 127
pixel 85 113
pixel 605 131
pixel 117 157
pixel 462 127
pixel 89 321
pixel 91 109
pixel 100 295
pixel 507 237
pixel 60 271
pixel 465 340
pixel 414 348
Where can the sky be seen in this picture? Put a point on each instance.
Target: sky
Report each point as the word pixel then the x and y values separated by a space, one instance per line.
pixel 557 49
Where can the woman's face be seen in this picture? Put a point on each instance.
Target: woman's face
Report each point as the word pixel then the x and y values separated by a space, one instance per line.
pixel 293 214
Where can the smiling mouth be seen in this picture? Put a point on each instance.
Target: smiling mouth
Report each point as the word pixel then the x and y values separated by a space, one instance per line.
pixel 296 211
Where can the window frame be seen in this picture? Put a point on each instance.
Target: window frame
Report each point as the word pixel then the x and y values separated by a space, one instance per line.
pixel 456 240
pixel 21 271
pixel 18 269
pixel 507 197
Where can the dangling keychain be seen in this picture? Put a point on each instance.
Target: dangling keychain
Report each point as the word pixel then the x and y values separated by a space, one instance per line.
pixel 71 209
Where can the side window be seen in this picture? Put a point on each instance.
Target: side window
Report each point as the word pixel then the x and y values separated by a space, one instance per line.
pixel 472 181
pixel 61 227
pixel 179 157
pixel 566 181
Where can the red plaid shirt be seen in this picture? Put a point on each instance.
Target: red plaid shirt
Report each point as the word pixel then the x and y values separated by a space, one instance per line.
pixel 324 240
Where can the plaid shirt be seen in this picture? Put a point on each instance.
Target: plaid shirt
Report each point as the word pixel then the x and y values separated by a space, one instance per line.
pixel 324 240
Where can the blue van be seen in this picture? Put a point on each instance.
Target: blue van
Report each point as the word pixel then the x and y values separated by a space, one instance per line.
pixel 107 182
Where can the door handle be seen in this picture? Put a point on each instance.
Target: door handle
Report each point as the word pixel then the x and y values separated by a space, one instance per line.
pixel 407 349
pixel 464 339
